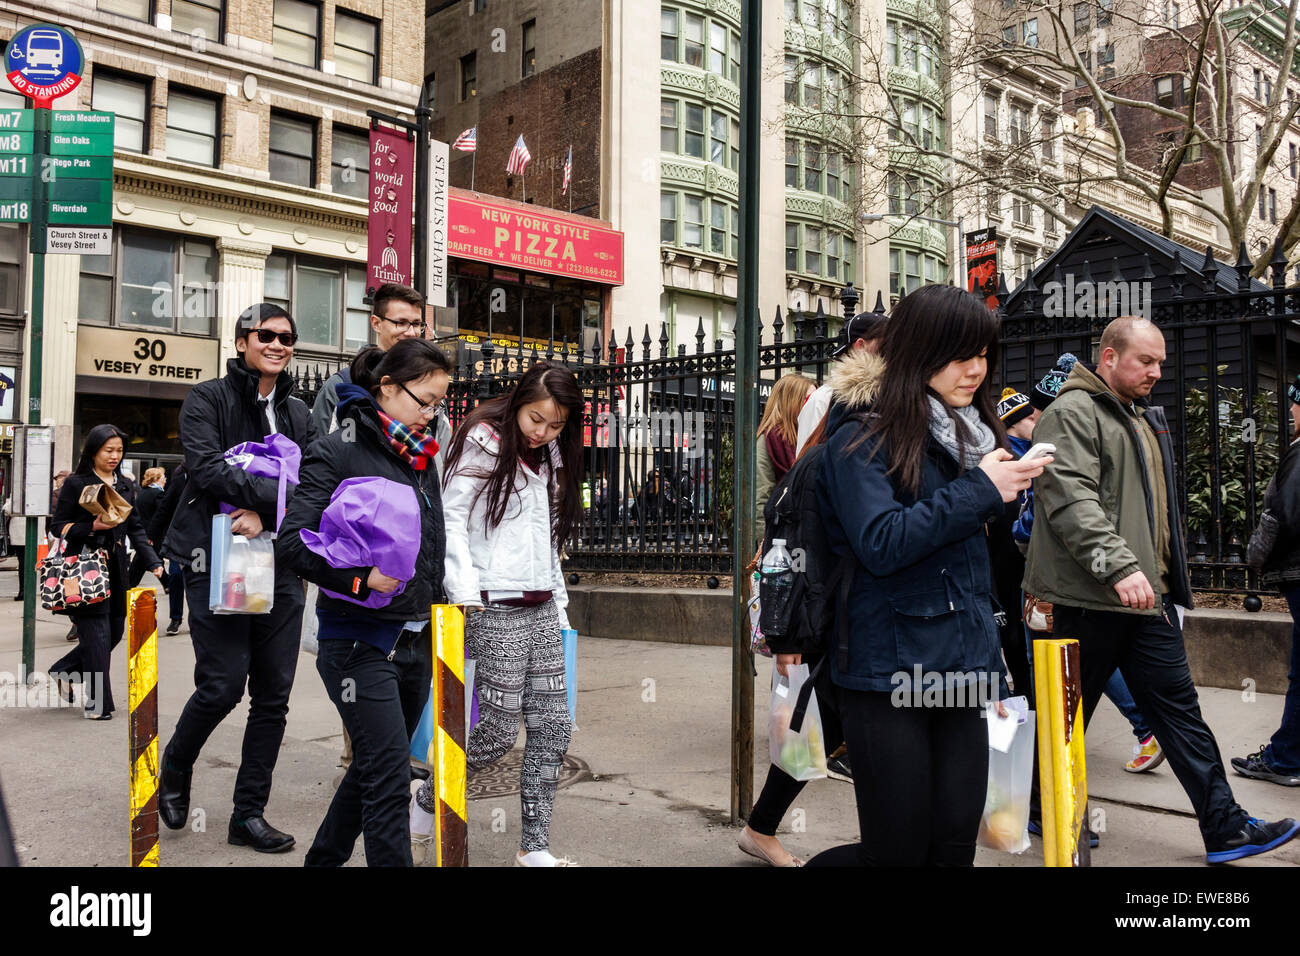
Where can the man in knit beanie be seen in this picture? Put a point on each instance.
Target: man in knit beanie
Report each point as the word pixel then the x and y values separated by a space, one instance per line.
pixel 1049 386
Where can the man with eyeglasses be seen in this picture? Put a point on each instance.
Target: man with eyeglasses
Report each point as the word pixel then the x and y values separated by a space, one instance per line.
pixel 397 313
pixel 253 400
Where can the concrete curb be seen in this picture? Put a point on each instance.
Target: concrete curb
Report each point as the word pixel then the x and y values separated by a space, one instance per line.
pixel 1225 648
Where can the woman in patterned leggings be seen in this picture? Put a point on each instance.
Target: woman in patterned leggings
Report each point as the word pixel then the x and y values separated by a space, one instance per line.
pixel 510 498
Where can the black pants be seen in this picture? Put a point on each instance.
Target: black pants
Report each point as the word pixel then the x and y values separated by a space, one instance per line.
pixel 90 660
pixel 380 702
pixel 919 775
pixel 231 650
pixel 1148 650
pixel 780 789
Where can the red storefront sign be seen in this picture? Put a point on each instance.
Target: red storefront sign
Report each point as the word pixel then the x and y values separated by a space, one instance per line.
pixel 388 228
pixel 535 240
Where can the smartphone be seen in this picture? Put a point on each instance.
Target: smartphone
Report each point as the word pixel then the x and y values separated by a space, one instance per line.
pixel 1042 449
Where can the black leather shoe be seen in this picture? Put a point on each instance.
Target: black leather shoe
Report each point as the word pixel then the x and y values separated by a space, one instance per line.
pixel 174 795
pixel 258 834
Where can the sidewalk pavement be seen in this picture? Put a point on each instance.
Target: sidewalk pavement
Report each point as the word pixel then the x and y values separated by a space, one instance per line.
pixel 653 737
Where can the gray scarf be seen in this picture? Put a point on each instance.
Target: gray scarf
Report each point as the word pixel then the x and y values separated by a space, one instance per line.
pixel 978 438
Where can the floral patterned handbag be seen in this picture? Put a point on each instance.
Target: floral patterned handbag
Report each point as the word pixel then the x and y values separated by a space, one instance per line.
pixel 72 581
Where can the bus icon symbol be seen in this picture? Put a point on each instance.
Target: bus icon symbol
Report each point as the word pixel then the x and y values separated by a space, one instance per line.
pixel 44 53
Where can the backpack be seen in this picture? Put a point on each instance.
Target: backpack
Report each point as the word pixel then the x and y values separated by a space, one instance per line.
pixel 822 579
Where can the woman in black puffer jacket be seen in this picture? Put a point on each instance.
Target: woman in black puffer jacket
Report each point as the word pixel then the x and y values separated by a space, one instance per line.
pixel 375 661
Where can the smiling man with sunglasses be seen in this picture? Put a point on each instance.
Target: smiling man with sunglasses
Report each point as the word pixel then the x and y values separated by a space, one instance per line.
pixel 253 400
pixel 397 313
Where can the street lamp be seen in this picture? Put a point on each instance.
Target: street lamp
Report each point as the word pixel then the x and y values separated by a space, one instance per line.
pixel 959 223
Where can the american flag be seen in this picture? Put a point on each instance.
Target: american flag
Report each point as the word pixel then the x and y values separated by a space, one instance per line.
pixel 467 141
pixel 568 172
pixel 519 158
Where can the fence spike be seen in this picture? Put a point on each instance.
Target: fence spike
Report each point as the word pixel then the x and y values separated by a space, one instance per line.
pixel 595 349
pixel 629 346
pixel 1147 274
pixel 1176 275
pixel 797 319
pixel 699 335
pixel 1243 268
pixel 1086 277
pixel 1115 274
pixel 820 331
pixel 550 346
pixel 611 348
pixel 1210 270
pixel 645 344
pixel 849 299
pixel 880 303
pixel 777 328
pixel 663 339
pixel 1278 265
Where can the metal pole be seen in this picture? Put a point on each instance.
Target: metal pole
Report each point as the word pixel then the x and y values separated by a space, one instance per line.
pixel 35 351
pixel 746 410
pixel 419 273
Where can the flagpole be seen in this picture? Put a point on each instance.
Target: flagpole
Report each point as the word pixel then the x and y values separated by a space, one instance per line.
pixel 473 162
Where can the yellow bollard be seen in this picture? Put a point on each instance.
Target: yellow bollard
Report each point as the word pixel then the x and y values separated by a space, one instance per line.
pixel 1063 785
pixel 446 760
pixel 142 725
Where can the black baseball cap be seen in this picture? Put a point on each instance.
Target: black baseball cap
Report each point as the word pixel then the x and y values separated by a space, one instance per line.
pixel 863 326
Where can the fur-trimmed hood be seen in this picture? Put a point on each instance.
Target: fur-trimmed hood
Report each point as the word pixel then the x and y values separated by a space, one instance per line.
pixel 855 378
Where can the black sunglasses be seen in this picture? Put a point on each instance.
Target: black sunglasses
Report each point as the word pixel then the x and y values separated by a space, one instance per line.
pixel 267 336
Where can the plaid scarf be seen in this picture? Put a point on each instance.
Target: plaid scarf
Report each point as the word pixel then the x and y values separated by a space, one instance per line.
pixel 415 449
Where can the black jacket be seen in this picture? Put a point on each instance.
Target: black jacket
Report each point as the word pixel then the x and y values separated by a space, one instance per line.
pixel 68 510
pixel 217 415
pixel 146 503
pixel 166 507
pixel 1282 569
pixel 356 452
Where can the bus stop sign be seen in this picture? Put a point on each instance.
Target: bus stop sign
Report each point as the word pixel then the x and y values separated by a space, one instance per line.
pixel 44 62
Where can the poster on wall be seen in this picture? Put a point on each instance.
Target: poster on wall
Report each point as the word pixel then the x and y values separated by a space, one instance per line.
pixel 8 392
pixel 392 191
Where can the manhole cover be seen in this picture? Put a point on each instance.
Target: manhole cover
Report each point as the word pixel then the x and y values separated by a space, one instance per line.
pixel 502 778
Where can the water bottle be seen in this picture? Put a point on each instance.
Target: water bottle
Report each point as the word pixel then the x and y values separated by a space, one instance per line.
pixel 774 594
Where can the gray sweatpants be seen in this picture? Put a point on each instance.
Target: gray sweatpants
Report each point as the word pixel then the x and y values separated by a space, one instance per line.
pixel 519 669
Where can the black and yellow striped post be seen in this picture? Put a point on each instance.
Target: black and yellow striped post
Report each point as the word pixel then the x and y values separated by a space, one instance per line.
pixel 446 760
pixel 142 725
pixel 1062 773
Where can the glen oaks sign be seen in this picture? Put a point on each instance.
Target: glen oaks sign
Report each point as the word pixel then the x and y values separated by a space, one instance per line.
pixel 145 356
pixel 534 239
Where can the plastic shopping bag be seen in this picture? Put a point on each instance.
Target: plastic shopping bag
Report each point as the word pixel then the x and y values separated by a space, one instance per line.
pixel 570 638
pixel 1004 825
pixel 310 622
pixel 801 753
pixel 243 571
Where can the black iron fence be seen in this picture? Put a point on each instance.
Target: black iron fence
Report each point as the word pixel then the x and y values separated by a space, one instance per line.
pixel 659 420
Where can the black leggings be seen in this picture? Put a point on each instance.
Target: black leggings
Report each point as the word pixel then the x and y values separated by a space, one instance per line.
pixel 780 789
pixel 919 775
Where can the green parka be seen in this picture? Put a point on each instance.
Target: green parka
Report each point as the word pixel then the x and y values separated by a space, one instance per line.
pixel 1094 522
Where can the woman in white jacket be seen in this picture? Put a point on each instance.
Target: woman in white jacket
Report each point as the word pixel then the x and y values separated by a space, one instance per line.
pixel 510 499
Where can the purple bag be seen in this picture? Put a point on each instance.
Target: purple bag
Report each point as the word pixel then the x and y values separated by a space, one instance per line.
pixel 277 457
pixel 369 522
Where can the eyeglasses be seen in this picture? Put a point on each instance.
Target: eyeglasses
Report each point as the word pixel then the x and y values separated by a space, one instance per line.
pixel 404 326
pixel 432 409
pixel 267 336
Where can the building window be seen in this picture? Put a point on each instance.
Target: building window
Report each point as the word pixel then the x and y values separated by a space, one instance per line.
pixel 908 48
pixel 135 9
pixel 480 6
pixel 812 167
pixel 1261 204
pixel 1019 124
pixel 1009 35
pixel 1022 212
pixel 791 247
pixel 350 162
pixel 356 47
pixel 792 80
pixel 912 196
pixel 1082 17
pixel 718 213
pixel 718 138
pixel 530 49
pixel 792 163
pixel 198 18
pixel 1029 32
pixel 813 239
pixel 13 253
pixel 1193 152
pixel 1259 80
pixel 468 76
pixel 668 218
pixel 324 297
pixel 129 100
pixel 668 32
pixel 1272 205
pixel 1165 91
pixel 993 202
pixel 293 150
pixel 431 91
pixel 991 117
pixel 1259 137
pixel 1293 162
pixel 894 189
pixel 717 48
pixel 833 174
pixel 296 32
pixel 668 126
pixel 812 86
pixel 1105 8
pixel 163 282
pixel 693 143
pixel 1049 140
pixel 192 125
pixel 693 47
pixel 1085 57
pixel 693 222
pixel 1106 55
pixel 1170 14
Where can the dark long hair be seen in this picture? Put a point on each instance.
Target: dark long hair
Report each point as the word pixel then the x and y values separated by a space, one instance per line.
pixel 544 380
pixel 929 328
pixel 406 361
pixel 98 437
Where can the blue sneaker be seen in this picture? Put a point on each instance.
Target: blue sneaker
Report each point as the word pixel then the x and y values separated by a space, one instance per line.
pixel 1254 838
pixel 1036 829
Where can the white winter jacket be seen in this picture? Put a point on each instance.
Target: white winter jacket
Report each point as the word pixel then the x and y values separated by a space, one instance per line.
pixel 516 555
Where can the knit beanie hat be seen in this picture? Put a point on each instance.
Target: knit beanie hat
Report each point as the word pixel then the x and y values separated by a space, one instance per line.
pixel 1013 407
pixel 1293 390
pixel 1049 386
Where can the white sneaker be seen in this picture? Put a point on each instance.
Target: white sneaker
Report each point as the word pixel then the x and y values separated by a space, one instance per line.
pixel 541 858
pixel 421 849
